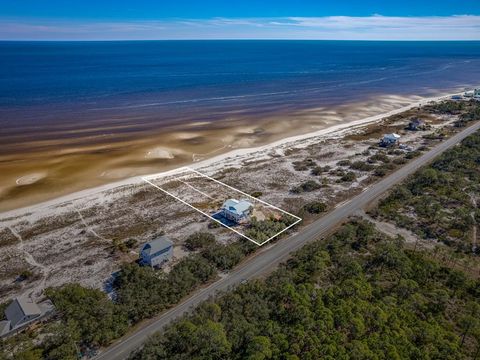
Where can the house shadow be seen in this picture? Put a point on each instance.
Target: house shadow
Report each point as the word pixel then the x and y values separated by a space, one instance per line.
pixel 220 217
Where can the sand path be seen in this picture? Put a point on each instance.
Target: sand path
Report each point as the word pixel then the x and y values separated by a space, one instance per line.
pixel 89 228
pixel 37 290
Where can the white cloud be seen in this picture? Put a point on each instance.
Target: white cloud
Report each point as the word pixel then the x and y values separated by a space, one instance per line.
pixel 375 27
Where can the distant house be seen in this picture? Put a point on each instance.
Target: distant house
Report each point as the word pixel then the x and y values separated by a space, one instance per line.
pixel 237 211
pixel 22 312
pixel 156 252
pixel 476 94
pixel 416 124
pixel 389 140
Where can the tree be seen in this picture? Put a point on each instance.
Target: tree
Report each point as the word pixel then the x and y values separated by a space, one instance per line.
pixel 259 348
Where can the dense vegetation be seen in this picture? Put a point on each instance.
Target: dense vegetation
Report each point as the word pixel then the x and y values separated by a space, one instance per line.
pixel 440 201
pixel 357 295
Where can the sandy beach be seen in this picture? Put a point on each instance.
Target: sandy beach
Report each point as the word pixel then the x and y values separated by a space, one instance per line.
pixel 23 191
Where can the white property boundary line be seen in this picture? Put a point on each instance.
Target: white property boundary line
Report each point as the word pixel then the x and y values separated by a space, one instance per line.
pixel 151 177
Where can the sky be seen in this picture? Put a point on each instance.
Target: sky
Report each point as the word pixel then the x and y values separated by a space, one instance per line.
pixel 247 19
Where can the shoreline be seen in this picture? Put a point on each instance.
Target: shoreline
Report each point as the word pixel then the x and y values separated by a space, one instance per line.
pixel 228 158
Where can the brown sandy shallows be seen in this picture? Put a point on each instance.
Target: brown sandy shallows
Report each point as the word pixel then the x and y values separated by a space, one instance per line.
pixel 87 158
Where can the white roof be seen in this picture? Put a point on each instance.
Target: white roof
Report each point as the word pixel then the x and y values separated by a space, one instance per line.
pixel 392 136
pixel 237 207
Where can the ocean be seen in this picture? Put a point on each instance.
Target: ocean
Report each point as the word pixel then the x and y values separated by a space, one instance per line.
pixel 50 84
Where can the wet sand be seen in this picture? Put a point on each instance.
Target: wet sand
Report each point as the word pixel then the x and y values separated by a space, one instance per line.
pixel 63 162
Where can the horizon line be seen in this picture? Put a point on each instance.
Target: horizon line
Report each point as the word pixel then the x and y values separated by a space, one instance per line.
pixel 239 39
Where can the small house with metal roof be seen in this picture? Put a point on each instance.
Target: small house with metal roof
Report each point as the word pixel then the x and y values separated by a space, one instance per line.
pixel 156 252
pixel 21 312
pixel 237 211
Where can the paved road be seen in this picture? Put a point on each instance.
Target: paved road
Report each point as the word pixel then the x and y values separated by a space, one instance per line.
pixel 269 256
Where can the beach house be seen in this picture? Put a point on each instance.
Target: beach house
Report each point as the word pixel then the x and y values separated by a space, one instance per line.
pixel 237 211
pixel 156 252
pixel 476 94
pixel 390 140
pixel 23 312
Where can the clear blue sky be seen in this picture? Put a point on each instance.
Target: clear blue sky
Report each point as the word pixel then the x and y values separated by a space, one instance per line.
pixel 183 19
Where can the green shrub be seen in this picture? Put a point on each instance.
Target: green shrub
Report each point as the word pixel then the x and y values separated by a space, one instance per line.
pixel 131 243
pixel 213 225
pixel 380 171
pixel 256 194
pixel 307 186
pixel 315 207
pixel 318 170
pixel 412 154
pixel 344 163
pixel 379 156
pixel 25 274
pixel 304 164
pixel 399 161
pixel 349 176
pixel 395 152
pixel 361 166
